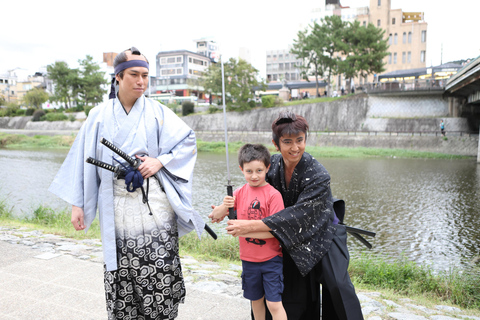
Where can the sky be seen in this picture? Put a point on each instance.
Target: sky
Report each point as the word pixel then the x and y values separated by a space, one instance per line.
pixel 38 33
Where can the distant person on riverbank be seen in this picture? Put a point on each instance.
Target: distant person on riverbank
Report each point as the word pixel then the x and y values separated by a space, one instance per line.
pixel 142 214
pixel 261 253
pixel 313 241
pixel 442 127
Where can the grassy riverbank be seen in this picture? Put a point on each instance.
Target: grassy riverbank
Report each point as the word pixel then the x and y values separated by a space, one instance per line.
pixel 398 279
pixel 39 141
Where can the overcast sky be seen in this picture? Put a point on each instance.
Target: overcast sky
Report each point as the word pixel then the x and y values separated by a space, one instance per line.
pixel 37 33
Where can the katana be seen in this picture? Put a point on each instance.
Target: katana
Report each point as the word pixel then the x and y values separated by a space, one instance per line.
pixel 231 213
pixel 120 172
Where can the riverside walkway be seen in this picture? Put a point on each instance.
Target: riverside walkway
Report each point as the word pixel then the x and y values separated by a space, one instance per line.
pixel 44 276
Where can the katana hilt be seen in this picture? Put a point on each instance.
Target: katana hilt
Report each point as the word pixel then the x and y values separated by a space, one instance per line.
pixel 118 171
pixel 135 163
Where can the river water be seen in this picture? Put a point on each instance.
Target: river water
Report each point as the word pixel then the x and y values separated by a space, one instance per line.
pixel 426 210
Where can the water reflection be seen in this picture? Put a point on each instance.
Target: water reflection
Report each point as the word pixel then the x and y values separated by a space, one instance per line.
pixel 426 210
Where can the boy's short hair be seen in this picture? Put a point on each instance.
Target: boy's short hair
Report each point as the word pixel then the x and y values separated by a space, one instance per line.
pixel 252 152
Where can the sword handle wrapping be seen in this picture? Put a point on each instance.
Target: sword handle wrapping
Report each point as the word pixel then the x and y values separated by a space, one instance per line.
pixel 122 154
pixel 231 212
pixel 102 164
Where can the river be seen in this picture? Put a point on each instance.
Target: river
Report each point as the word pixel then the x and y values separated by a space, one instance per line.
pixel 426 210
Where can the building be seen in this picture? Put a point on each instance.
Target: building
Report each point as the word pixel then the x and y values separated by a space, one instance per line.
pixel 179 74
pixel 283 65
pixel 406 33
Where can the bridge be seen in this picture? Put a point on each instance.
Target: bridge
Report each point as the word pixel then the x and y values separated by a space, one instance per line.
pixel 464 90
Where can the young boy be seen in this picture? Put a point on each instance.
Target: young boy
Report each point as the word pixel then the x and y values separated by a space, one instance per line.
pixel 261 254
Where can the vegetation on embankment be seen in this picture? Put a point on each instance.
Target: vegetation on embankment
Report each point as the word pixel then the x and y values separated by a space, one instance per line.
pixel 40 141
pixel 399 278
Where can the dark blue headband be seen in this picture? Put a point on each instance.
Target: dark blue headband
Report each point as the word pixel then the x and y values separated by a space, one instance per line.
pixel 129 64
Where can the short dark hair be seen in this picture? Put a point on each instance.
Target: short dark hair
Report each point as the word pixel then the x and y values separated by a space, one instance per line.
pixel 288 123
pixel 122 57
pixel 251 152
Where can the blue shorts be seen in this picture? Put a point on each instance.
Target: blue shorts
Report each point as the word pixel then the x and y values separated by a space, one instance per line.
pixel 263 279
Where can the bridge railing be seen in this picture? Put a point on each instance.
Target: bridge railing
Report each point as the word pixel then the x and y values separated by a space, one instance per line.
pixel 400 86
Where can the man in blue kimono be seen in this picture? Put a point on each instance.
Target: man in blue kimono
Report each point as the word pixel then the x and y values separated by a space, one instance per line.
pixel 143 277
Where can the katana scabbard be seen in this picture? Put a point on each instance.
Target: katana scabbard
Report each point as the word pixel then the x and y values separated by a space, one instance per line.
pixel 135 163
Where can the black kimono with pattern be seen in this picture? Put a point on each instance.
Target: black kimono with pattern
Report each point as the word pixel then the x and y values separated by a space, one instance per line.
pixel 305 230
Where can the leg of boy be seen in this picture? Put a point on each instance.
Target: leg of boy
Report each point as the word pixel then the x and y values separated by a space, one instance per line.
pixel 273 286
pixel 258 308
pixel 277 310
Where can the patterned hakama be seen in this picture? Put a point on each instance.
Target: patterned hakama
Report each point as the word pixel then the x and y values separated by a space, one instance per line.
pixel 148 283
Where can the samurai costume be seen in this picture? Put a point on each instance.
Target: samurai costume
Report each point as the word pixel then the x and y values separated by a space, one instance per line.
pixel 143 277
pixel 314 244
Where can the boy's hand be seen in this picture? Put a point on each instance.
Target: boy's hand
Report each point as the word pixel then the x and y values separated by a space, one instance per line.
pixel 218 213
pixel 229 201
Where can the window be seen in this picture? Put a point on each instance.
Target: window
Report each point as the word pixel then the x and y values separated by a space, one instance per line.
pixel 393 20
pixel 379 3
pixel 389 58
pixel 378 23
pixel 424 35
pixel 280 56
pixel 171 60
pixel 390 39
pixel 395 39
pixel 199 62
pixel 364 23
pixel 409 37
pixel 395 58
pixel 404 37
pixel 404 57
pixel 167 72
pixel 422 56
pixel 409 57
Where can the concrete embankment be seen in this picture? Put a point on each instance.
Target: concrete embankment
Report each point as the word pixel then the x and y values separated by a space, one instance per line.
pixel 353 120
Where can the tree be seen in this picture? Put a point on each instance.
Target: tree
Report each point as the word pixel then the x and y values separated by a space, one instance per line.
pixel 319 47
pixel 240 79
pixel 36 97
pixel 303 48
pixel 364 50
pixel 65 82
pixel 91 81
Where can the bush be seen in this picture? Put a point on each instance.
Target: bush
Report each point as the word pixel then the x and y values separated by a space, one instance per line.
pixel 38 114
pixel 87 110
pixel 212 109
pixel 187 108
pixel 30 111
pixel 55 116
pixel 20 112
pixel 173 107
pixel 268 101
pixel 72 117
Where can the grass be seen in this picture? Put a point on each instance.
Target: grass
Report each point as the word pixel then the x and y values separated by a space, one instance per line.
pixel 37 141
pixel 368 272
pixel 40 141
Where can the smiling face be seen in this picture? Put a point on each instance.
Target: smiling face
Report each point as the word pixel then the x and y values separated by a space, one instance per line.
pixel 255 173
pixel 292 148
pixel 133 83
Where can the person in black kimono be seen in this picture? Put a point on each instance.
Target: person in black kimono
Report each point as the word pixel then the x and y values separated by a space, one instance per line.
pixel 314 243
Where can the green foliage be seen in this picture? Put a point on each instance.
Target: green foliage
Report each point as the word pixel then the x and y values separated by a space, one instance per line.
pixel 55 116
pixel 72 118
pixel 240 79
pixel 187 108
pixel 87 110
pixel 91 81
pixel 213 109
pixel 38 114
pixel 268 101
pixel 83 85
pixel 173 107
pixel 29 111
pixel 320 46
pixel 20 112
pixel 224 248
pixel 10 110
pixel 408 278
pixel 36 97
